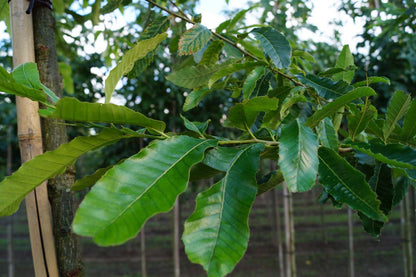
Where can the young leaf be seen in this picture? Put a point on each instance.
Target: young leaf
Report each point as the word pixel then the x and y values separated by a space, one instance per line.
pixel 327 134
pixel 335 105
pixel 326 87
pixel 345 59
pixel 216 234
pixel 409 123
pixel 275 45
pixel 31 174
pixel 194 39
pixel 397 108
pixel 143 185
pixel 74 110
pixel 197 127
pixel 298 156
pixel 347 185
pixel 358 119
pixel 394 154
pixel 139 51
pixel 194 97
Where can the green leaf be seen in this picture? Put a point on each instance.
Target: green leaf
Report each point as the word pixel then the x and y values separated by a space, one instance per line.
pixel 298 156
pixel 110 6
pixel 216 234
pixel 338 103
pixel 326 87
pixel 327 134
pixel 143 185
pixel 66 72
pixel 251 81
pixel 394 154
pixel 401 187
pixel 31 174
pixel 194 39
pixel 220 158
pixel 347 185
pixel 193 76
pixel 345 59
pixel 194 98
pixel 289 102
pixel 275 45
pixel 359 118
pixel 304 55
pixel 59 6
pixel 409 123
pixel 275 179
pixel 90 180
pixel 195 126
pixel 231 68
pixel 262 85
pixel 381 182
pixel 244 114
pixel 373 227
pixel 212 54
pixel 397 108
pixel 372 80
pixel 139 51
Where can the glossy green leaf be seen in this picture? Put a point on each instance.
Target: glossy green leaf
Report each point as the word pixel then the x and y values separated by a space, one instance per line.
pixel 327 134
pixel 143 185
pixel 220 158
pixel 338 103
pixel 194 98
pixel 397 108
pixel 195 126
pixel 139 51
pixel 372 80
pixel 194 39
pixel 212 53
pixel 298 156
pixel 275 45
pixel 193 76
pixel 394 154
pixel 231 68
pixel 347 185
pixel 216 234
pixel 359 118
pixel 74 110
pixel 251 81
pixel 409 123
pixel 345 59
pixel 326 87
pixel 31 174
pixel 243 115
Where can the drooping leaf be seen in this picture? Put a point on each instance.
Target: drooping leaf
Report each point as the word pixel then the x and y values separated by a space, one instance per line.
pixel 195 126
pixel 327 134
pixel 251 80
pixel 394 154
pixel 298 156
pixel 373 227
pixel 397 108
pixel 359 118
pixel 338 103
pixel 194 39
pixel 211 55
pixel 372 80
pixel 409 123
pixel 193 98
pixel 193 76
pixel 347 185
pixel 143 185
pixel 275 45
pixel 72 109
pixel 216 234
pixel 139 51
pixel 231 68
pixel 345 59
pixel 326 87
pixel 244 114
pixel 31 174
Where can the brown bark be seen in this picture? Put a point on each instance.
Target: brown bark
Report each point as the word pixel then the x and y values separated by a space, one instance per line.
pixel 54 134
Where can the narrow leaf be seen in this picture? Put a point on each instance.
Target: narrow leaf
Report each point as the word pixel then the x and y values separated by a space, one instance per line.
pixel 74 110
pixel 372 80
pixel 298 156
pixel 338 103
pixel 216 234
pixel 275 45
pixel 347 185
pixel 194 39
pixel 31 174
pixel 397 108
pixel 139 51
pixel 143 185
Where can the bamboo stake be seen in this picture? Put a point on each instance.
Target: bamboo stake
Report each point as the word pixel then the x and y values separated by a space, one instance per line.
pixel 30 142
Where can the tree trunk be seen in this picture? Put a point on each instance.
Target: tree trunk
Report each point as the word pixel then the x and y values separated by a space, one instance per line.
pixel 290 233
pixel 278 232
pixel 9 161
pixel 54 134
pixel 176 240
pixel 351 243
pixel 406 237
pixel 30 142
pixel 142 237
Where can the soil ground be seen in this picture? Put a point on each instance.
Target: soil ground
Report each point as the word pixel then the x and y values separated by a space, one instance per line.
pixel 321 245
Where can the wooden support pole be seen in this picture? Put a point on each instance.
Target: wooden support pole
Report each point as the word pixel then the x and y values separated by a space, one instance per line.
pixel 30 142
